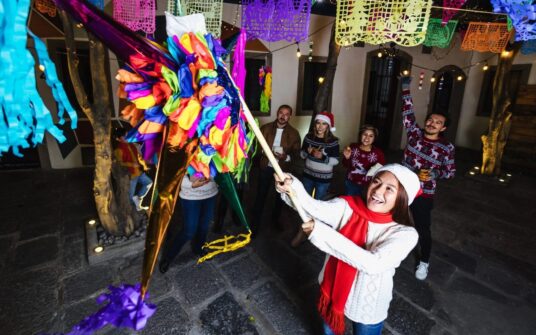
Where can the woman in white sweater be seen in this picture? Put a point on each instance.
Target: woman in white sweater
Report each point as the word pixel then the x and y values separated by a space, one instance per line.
pixel 198 199
pixel 365 240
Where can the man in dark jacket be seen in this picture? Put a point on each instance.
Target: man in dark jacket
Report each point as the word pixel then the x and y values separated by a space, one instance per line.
pixel 285 143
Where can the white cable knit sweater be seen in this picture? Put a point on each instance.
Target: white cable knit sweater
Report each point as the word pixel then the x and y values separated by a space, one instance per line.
pixel 386 246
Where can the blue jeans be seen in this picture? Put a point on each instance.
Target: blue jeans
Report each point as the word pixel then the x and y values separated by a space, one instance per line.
pixel 144 183
pixel 351 188
pixel 359 329
pixel 196 217
pixel 320 188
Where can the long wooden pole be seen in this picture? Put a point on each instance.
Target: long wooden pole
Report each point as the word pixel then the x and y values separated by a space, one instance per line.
pixel 269 153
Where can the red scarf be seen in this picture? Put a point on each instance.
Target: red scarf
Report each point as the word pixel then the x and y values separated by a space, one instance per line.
pixel 338 275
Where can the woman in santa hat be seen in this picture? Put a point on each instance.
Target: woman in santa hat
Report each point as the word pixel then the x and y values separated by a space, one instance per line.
pixel 320 149
pixel 365 239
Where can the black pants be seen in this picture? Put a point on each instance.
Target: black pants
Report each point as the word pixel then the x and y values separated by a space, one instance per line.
pixel 421 209
pixel 266 184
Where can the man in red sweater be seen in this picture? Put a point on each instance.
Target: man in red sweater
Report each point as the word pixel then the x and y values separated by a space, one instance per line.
pixel 431 156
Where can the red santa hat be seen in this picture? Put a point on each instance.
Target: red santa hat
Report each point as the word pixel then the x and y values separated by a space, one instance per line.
pixel 327 118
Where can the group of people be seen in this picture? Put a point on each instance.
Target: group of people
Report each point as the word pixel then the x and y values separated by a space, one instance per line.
pixel 384 214
pixel 367 232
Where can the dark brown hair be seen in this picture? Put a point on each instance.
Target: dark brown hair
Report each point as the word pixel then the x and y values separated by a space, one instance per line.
pixel 368 127
pixel 328 138
pixel 285 107
pixel 400 212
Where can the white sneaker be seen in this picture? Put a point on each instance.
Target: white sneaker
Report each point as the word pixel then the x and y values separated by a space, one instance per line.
pixel 137 202
pixel 422 271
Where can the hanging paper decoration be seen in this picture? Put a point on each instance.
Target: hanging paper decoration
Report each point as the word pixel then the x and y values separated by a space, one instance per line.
pixel 528 47
pixel 239 62
pixel 24 118
pixel 46 7
pixel 439 35
pixel 174 7
pixel 421 79
pixel 211 10
pixel 265 80
pixel 275 20
pixel 377 22
pixel 523 16
pixel 136 14
pixel 486 37
pixel 449 13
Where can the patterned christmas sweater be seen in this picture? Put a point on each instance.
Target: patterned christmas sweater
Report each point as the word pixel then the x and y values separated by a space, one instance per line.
pixel 422 153
pixel 360 162
pixel 320 169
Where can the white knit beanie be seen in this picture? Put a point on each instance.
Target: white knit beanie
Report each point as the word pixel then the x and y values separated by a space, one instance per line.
pixel 406 177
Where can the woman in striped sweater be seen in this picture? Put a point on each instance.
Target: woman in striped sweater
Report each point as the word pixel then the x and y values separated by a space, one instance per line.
pixel 320 149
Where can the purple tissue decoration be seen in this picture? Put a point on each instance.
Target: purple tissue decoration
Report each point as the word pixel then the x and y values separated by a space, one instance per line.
pixel 275 20
pixel 125 308
pixel 523 16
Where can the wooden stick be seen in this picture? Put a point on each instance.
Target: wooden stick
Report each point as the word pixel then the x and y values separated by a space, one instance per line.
pixel 269 153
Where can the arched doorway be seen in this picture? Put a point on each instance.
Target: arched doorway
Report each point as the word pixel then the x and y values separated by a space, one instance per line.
pixel 446 95
pixel 381 104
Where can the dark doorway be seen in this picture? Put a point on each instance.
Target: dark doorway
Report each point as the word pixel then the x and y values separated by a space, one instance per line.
pixel 382 106
pixel 446 96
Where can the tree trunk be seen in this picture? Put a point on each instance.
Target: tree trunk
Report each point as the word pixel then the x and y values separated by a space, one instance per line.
pixel 326 89
pixel 117 213
pixel 501 117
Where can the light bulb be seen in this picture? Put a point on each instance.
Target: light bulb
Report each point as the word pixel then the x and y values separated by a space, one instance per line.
pixel 320 80
pixel 405 72
pixel 432 79
pixel 485 67
pixel 460 78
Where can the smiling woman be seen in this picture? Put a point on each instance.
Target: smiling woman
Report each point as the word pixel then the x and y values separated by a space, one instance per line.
pixel 365 241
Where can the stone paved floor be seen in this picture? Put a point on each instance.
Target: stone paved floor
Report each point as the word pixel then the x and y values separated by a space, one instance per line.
pixel 482 279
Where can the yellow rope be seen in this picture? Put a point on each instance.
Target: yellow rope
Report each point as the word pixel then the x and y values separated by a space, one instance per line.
pixel 225 244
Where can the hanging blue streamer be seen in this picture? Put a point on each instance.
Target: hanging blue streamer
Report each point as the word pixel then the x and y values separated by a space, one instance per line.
pixel 24 118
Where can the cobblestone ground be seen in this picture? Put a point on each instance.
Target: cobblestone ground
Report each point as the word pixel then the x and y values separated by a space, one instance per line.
pixel 482 275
